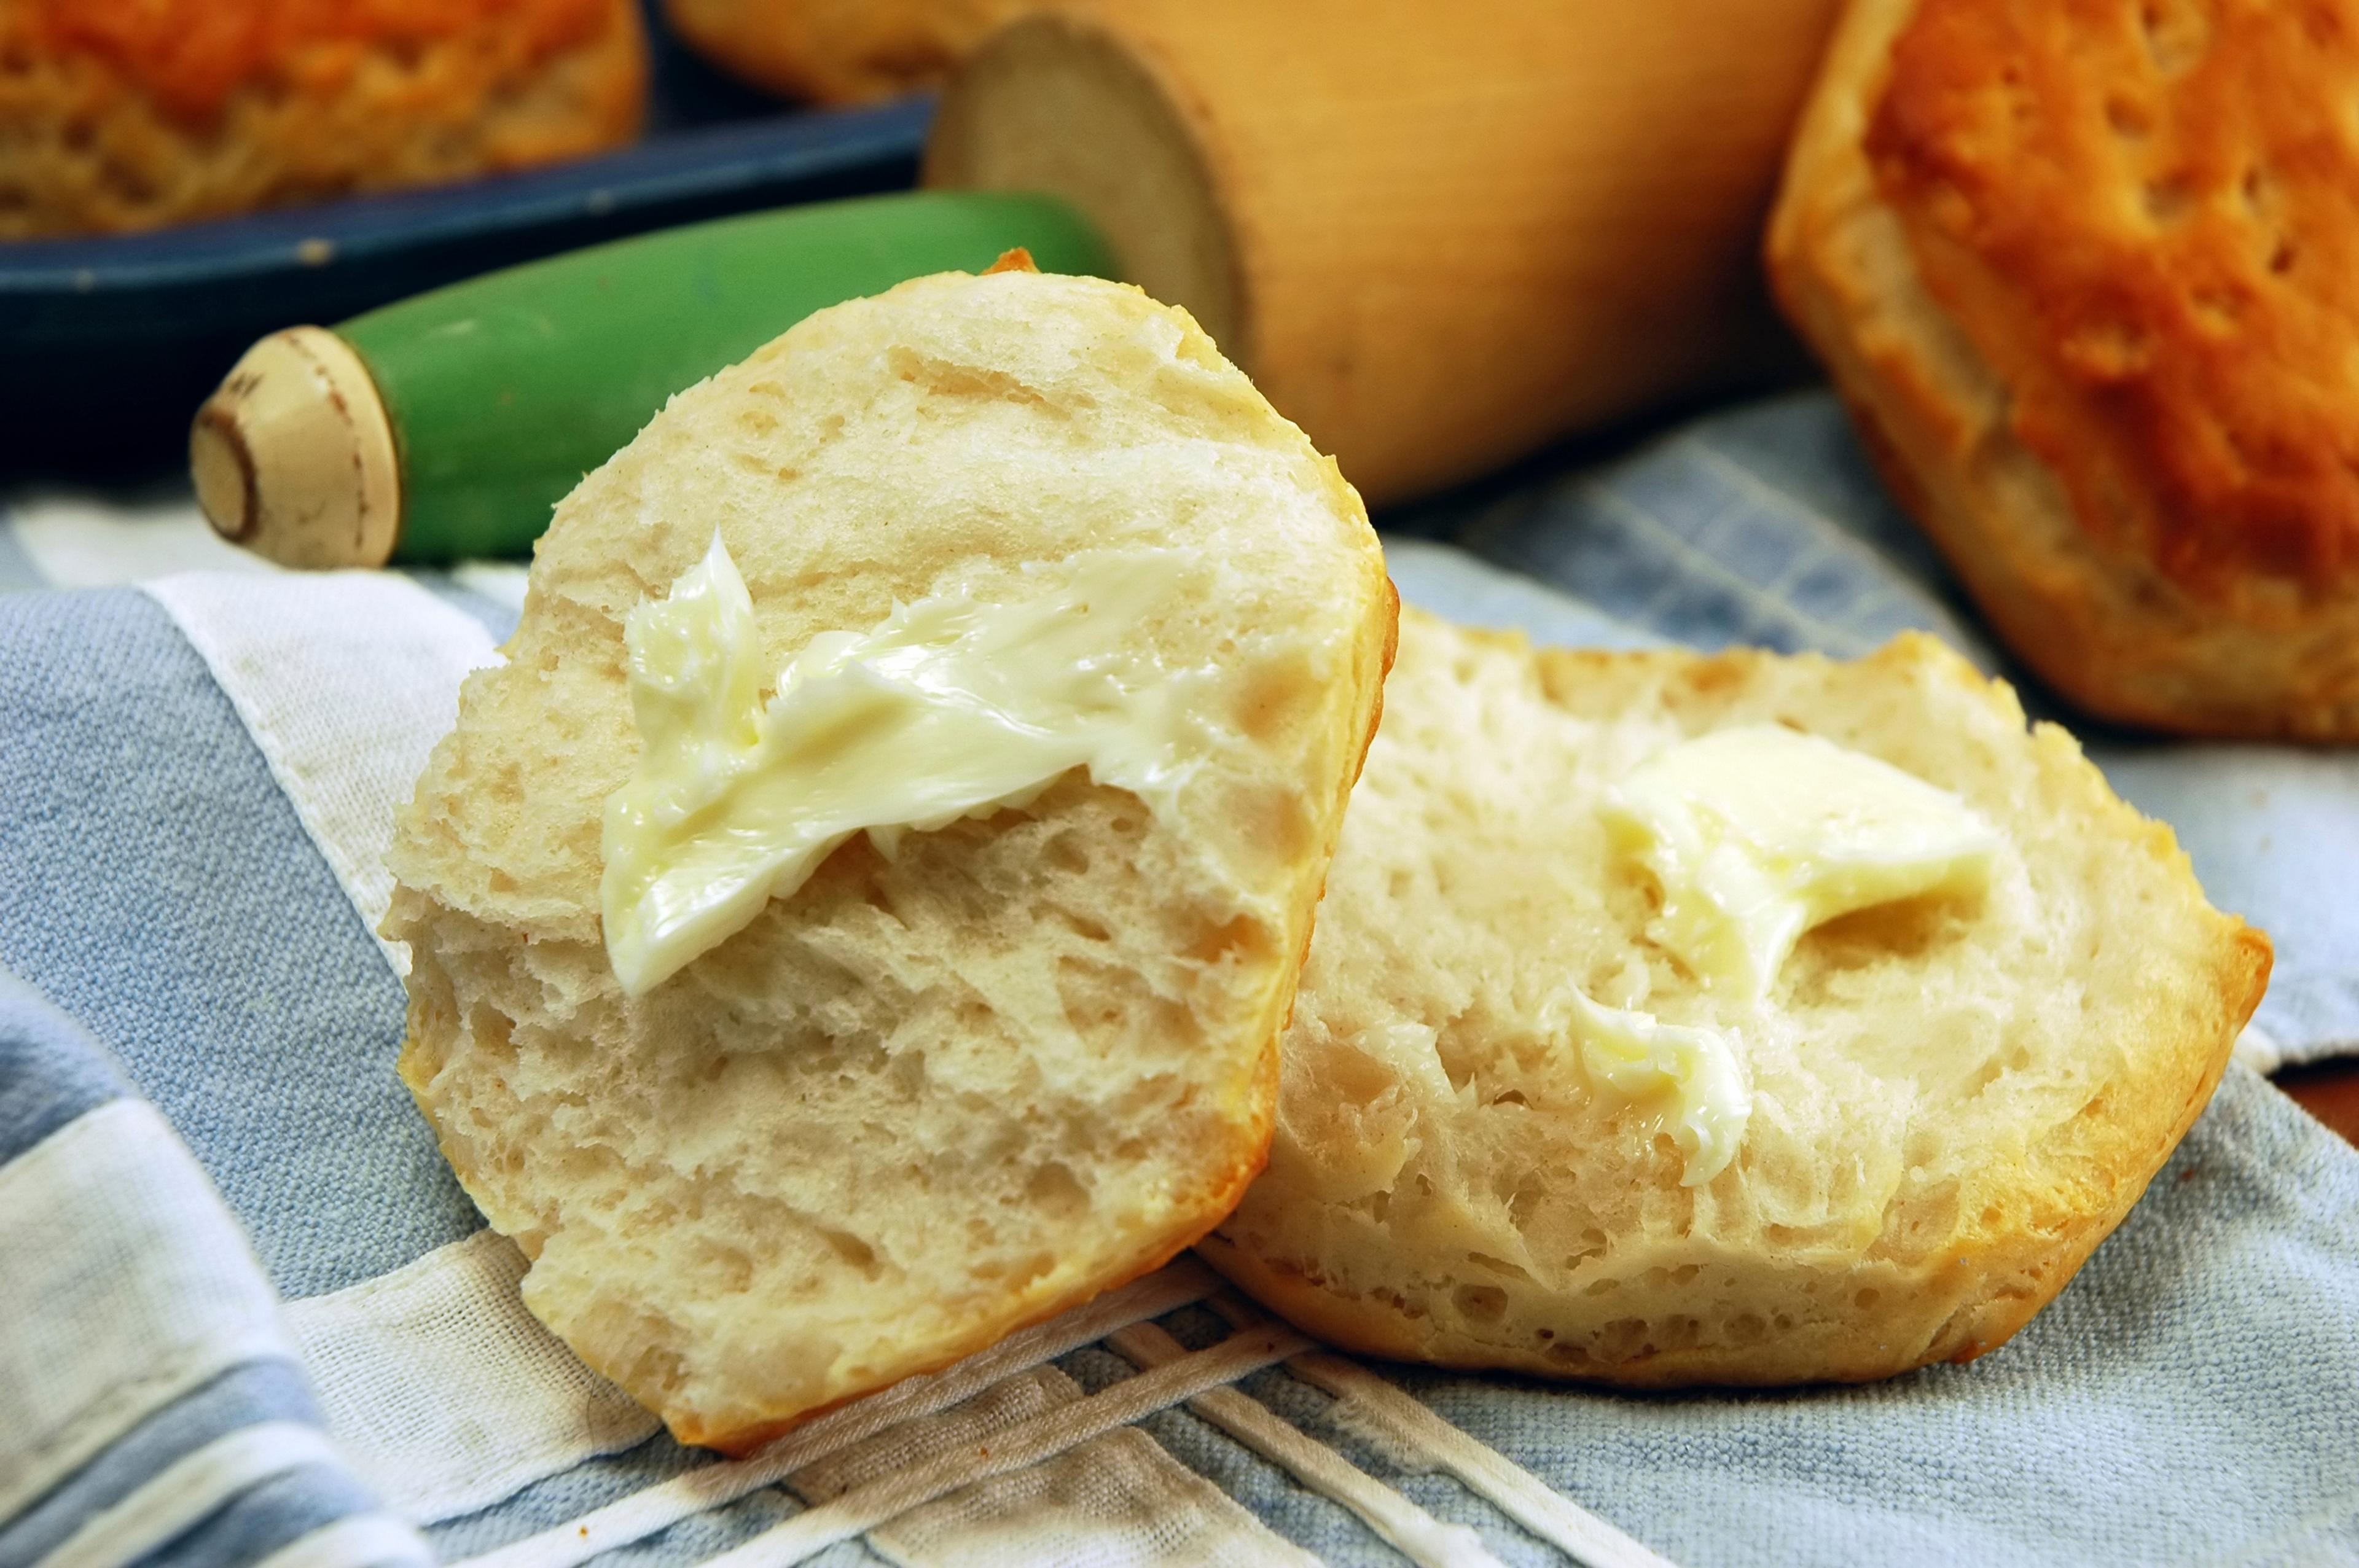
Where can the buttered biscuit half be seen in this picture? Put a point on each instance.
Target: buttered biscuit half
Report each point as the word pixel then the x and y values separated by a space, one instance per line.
pixel 1743 1019
pixel 857 918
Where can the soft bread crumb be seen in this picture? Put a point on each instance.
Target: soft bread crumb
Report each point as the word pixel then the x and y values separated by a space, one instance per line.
pixel 1954 1100
pixel 926 1099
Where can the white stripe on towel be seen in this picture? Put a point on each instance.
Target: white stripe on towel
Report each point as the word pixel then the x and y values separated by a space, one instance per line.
pixel 1523 1497
pixel 345 680
pixel 1520 1495
pixel 445 1393
pixel 77 543
pixel 2259 1050
pixel 1019 1448
pixel 1116 1501
pixel 659 1507
pixel 1407 1528
pixel 125 1284
pixel 356 1540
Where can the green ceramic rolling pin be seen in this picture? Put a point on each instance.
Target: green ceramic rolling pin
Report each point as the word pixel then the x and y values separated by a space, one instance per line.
pixel 447 426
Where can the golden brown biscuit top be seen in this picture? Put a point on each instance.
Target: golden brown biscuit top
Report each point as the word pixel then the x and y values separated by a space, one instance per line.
pixel 190 55
pixel 2145 215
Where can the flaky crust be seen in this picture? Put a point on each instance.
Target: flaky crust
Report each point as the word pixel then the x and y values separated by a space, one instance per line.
pixel 2078 269
pixel 115 119
pixel 841 52
pixel 1952 1110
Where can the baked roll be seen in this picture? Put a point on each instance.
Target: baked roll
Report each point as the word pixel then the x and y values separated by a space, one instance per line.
pixel 2083 270
pixel 1529 1121
pixel 1000 1051
pixel 839 51
pixel 116 115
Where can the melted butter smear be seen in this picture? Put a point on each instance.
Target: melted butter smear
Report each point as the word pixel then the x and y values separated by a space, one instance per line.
pixel 1755 836
pixel 952 707
pixel 1638 1057
pixel 1758 834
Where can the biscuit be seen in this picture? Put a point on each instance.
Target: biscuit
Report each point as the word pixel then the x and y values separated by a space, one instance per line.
pixel 120 117
pixel 935 1094
pixel 841 52
pixel 2080 267
pixel 1954 1100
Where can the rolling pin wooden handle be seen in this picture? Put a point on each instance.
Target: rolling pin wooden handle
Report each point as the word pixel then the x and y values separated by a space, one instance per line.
pixel 1436 236
pixel 449 425
pixel 293 456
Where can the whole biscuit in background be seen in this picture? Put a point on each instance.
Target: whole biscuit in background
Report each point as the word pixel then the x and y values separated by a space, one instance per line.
pixel 1920 1127
pixel 961 1078
pixel 2084 271
pixel 116 116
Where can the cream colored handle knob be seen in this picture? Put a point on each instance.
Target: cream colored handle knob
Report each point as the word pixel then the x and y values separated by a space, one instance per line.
pixel 293 456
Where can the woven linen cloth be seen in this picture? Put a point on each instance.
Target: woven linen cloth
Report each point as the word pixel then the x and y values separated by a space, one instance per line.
pixel 195 774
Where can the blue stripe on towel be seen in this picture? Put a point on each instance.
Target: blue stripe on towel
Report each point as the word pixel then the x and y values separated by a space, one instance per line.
pixel 1800 446
pixel 162 890
pixel 1449 583
pixel 241 1397
pixel 47 1079
pixel 266 1518
pixel 1756 527
pixel 2274 834
pixel 51 1075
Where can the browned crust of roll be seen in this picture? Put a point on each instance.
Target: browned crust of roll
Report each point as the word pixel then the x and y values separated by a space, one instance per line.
pixel 839 51
pixel 88 147
pixel 2079 277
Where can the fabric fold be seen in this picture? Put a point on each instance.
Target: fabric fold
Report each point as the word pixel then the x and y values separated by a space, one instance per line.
pixel 152 1391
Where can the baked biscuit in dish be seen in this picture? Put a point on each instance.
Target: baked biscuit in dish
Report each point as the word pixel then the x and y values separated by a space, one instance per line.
pixel 841 52
pixel 116 116
pixel 986 1060
pixel 2084 272
pixel 1942 1103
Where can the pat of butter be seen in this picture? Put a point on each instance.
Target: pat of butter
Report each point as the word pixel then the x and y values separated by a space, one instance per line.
pixel 1758 834
pixel 1636 1056
pixel 952 707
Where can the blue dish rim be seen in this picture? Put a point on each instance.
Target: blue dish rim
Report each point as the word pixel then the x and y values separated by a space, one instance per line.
pixel 741 163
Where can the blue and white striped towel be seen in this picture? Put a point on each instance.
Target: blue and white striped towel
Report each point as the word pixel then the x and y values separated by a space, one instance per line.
pixel 224 1231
